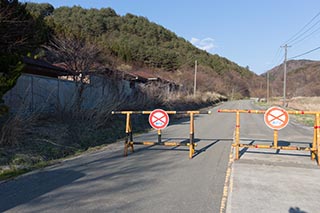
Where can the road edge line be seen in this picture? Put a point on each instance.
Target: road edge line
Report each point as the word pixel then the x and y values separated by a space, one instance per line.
pixel 228 184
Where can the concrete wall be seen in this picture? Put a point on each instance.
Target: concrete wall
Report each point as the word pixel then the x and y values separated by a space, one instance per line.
pixel 34 93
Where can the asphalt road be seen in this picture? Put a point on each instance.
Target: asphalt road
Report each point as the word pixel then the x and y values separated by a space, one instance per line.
pixel 268 180
pixel 153 179
pixel 156 178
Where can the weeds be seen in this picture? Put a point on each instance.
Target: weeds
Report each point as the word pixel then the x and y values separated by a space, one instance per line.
pixel 298 103
pixel 30 141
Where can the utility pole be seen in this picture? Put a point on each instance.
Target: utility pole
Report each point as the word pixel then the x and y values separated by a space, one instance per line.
pixel 268 90
pixel 285 73
pixel 195 78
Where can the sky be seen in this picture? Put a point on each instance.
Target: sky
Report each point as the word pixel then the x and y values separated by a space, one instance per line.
pixel 248 32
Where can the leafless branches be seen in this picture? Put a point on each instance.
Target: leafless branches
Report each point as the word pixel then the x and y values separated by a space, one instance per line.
pixel 77 55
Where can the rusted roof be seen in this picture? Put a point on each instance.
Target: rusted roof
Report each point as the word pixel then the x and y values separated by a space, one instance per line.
pixel 43 68
pixel 152 77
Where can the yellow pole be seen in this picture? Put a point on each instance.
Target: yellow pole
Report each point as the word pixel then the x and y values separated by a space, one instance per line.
pixel 275 139
pixel 191 146
pixel 314 142
pixel 237 139
pixel 126 143
pixel 318 137
pixel 159 135
pixel 130 135
pixel 129 140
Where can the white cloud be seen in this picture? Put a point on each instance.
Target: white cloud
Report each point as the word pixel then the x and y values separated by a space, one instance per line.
pixel 206 44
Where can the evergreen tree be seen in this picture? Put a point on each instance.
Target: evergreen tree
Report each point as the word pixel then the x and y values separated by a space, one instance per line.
pixel 19 33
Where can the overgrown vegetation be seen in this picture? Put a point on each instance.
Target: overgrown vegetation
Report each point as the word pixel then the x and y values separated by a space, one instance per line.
pixel 86 42
pixel 297 103
pixel 20 34
pixel 34 140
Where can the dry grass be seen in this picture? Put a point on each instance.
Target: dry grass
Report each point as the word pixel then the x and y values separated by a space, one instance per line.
pixel 15 127
pixel 305 103
pixel 36 139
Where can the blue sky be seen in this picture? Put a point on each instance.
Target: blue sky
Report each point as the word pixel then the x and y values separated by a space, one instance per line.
pixel 248 32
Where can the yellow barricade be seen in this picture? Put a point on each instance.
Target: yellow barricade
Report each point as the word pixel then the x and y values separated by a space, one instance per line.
pixel 314 150
pixel 129 136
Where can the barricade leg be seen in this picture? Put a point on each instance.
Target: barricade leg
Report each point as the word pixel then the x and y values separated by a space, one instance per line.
pixel 275 139
pixel 318 138
pixel 237 135
pixel 159 136
pixel 129 138
pixel 191 145
pixel 314 142
pixel 126 144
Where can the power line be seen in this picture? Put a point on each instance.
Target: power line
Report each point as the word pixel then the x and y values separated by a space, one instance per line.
pixel 310 51
pixel 305 33
pixel 274 61
pixel 296 36
pixel 276 56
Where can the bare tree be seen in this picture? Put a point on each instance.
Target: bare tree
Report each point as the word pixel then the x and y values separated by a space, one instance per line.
pixel 78 56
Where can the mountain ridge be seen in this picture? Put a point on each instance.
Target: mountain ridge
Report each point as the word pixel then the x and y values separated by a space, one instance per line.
pixel 133 42
pixel 303 78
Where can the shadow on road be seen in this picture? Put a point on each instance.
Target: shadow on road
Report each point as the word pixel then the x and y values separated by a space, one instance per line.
pixel 245 149
pixel 101 177
pixel 198 152
pixel 277 151
pixel 20 191
pixel 184 147
pixel 296 210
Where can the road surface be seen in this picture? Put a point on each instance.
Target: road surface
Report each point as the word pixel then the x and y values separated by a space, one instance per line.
pixel 267 180
pixel 153 179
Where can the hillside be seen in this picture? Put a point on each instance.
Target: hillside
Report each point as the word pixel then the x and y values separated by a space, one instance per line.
pixel 99 41
pixel 133 43
pixel 302 78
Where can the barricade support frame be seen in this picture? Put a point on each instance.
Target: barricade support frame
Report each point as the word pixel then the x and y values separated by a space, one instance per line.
pixel 314 149
pixel 129 142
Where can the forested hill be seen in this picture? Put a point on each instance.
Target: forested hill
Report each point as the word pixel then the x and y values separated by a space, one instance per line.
pixel 302 78
pixel 132 42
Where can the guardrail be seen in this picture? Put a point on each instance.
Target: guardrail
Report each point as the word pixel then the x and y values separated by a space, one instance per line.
pixel 129 134
pixel 314 149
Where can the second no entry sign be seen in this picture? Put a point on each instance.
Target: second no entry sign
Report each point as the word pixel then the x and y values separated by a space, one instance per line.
pixel 276 118
pixel 159 119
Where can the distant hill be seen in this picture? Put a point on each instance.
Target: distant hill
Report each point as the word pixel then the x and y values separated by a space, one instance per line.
pixel 303 78
pixel 134 43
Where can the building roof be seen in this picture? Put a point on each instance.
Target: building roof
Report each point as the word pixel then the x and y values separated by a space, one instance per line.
pixel 43 68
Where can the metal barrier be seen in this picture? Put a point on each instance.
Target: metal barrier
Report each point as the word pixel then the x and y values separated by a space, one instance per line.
pixel 129 135
pixel 315 149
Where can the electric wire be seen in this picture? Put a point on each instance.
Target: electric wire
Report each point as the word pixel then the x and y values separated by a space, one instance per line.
pixel 297 36
pixel 305 53
pixel 274 61
pixel 308 35
pixel 303 34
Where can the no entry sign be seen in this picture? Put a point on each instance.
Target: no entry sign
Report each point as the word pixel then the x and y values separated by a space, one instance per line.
pixel 276 118
pixel 159 119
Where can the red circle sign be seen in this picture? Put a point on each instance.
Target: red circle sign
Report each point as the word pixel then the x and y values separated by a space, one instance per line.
pixel 276 118
pixel 159 119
